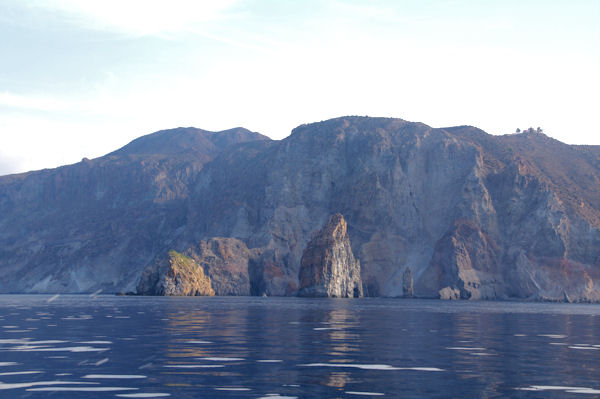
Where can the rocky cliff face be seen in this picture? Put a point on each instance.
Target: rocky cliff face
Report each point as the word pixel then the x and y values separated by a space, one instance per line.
pixel 474 215
pixel 75 228
pixel 177 275
pixel 328 267
pixel 225 261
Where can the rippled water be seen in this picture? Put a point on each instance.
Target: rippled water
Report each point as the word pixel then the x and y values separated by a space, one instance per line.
pixel 151 347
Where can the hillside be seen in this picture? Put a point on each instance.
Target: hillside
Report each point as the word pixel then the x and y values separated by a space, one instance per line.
pixel 91 225
pixel 474 216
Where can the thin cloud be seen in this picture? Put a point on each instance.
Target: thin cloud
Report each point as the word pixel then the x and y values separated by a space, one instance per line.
pixel 9 165
pixel 140 17
pixel 37 103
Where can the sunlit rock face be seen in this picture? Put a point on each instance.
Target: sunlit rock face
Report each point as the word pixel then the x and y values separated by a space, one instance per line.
pixel 475 216
pixel 328 267
pixel 177 275
pixel 222 262
pixel 225 261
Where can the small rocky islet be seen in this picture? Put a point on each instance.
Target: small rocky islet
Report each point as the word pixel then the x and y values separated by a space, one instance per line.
pixel 349 207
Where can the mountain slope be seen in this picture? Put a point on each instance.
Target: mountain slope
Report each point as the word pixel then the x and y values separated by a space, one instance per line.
pixel 472 215
pixel 88 226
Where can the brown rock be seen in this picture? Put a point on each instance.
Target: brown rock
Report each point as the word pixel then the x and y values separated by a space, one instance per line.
pixel 177 275
pixel 225 261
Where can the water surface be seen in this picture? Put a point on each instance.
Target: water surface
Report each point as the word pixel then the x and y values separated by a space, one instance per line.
pixel 248 347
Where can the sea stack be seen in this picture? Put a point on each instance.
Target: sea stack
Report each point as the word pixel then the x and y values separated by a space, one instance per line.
pixel 328 266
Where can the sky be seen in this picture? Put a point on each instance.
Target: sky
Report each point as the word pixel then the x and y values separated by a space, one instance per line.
pixel 82 78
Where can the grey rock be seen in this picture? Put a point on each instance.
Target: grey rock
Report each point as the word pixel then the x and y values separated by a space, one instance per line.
pixel 98 223
pixel 328 267
pixel 408 289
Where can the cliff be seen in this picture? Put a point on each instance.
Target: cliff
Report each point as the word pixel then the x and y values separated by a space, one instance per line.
pixel 328 267
pixel 74 228
pixel 474 215
pixel 225 261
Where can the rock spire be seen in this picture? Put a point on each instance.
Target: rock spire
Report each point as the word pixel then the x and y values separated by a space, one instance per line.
pixel 328 266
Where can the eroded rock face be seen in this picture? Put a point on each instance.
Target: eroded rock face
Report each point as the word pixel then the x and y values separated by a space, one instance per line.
pixel 408 289
pixel 222 263
pixel 328 267
pixel 225 261
pixel 176 275
pixel 464 265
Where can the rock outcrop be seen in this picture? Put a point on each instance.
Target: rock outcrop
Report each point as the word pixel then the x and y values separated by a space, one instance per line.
pixel 328 267
pixel 177 275
pixel 465 265
pixel 225 261
pixel 222 262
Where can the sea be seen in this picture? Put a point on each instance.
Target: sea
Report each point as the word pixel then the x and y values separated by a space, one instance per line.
pixel 103 346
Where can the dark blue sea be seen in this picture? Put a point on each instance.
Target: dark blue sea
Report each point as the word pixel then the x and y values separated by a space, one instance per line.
pixel 103 346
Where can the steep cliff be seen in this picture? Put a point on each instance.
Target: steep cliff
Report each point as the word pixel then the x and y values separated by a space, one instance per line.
pixel 328 267
pixel 402 187
pixel 474 215
pixel 177 275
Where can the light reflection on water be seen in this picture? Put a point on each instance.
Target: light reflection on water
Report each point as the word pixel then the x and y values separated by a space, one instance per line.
pixel 293 347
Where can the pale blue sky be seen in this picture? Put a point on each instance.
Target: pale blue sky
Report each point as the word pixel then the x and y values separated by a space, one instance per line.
pixel 82 78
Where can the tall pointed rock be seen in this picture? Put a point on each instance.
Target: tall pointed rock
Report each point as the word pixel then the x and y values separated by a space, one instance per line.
pixel 328 267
